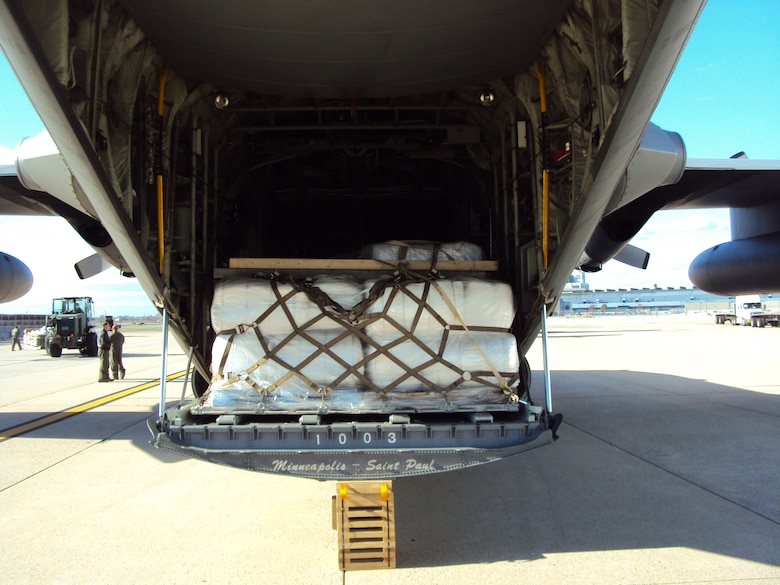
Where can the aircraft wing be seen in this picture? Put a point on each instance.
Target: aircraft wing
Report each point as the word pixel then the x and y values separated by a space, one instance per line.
pixel 198 134
pixel 729 183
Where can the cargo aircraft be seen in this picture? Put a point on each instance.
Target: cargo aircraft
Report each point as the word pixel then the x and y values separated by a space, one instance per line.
pixel 191 142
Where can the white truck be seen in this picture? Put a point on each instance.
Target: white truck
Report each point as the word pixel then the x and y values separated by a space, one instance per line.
pixel 748 310
pixel 745 307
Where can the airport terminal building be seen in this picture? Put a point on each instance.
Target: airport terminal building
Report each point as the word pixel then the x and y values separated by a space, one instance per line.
pixel 25 321
pixel 579 299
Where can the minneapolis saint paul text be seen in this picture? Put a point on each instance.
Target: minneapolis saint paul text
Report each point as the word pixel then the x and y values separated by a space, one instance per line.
pixel 372 465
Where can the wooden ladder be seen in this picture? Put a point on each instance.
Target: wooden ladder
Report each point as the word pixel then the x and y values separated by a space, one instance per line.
pixel 364 517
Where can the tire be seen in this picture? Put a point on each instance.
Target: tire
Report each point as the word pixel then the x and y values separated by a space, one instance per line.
pixel 199 384
pixel 524 388
pixel 55 350
pixel 91 344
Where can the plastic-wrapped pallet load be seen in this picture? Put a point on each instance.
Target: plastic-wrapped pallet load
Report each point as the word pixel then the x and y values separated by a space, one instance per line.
pixel 405 343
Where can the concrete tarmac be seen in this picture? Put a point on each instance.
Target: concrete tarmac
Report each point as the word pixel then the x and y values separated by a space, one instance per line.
pixel 667 471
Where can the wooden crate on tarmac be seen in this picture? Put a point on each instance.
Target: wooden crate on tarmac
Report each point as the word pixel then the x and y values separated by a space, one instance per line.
pixel 364 517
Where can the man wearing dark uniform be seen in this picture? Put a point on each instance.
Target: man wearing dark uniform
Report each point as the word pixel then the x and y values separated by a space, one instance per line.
pixel 104 345
pixel 117 341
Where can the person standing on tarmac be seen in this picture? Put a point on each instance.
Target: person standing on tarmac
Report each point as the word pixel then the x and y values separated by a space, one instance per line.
pixel 104 345
pixel 15 338
pixel 117 341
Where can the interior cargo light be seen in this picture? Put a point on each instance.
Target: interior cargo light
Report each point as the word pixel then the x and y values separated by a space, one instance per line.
pixel 487 98
pixel 221 101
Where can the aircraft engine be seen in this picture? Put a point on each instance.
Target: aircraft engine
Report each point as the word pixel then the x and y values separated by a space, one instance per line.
pixel 748 264
pixel 739 267
pixel 40 167
pixel 16 280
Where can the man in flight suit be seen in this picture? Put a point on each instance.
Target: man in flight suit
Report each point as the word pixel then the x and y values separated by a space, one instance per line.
pixel 117 341
pixel 104 345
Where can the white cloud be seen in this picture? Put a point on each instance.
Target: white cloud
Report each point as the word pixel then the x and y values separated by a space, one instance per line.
pixel 7 155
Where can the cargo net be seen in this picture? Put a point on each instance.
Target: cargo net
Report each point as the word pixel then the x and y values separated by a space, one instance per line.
pixel 406 342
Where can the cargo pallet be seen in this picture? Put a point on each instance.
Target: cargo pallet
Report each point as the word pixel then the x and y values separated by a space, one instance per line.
pixel 364 517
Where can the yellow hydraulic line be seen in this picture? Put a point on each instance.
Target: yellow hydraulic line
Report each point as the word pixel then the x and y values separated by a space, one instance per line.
pixel 159 178
pixel 542 94
pixel 545 171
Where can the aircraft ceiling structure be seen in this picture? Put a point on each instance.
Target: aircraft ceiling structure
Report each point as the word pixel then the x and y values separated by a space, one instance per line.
pixel 348 49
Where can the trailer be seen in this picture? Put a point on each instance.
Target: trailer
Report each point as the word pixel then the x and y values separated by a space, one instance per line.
pixel 764 319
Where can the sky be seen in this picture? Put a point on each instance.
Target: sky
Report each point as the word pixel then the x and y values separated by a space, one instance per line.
pixel 722 99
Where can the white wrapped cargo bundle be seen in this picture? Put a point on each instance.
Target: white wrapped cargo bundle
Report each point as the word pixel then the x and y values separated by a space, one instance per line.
pixel 290 373
pixel 419 250
pixel 469 360
pixel 242 301
pixel 477 303
pixel 488 303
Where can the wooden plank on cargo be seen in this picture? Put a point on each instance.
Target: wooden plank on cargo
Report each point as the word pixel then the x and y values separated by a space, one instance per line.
pixel 360 264
pixel 364 514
